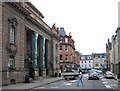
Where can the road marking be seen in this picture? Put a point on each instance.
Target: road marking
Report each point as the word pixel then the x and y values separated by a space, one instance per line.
pixel 73 80
pixel 107 86
pixel 39 87
pixel 53 87
pixel 113 85
pixel 68 83
pixel 103 79
pixel 104 82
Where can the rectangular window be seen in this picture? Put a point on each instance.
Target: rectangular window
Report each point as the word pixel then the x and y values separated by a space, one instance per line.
pixel 98 56
pixel 60 57
pixel 66 40
pixel 89 65
pixel 82 61
pixel 102 56
pixel 85 61
pixel 11 63
pixel 12 35
pixel 82 57
pixel 66 48
pixel 66 57
pixel 60 47
pixel 96 64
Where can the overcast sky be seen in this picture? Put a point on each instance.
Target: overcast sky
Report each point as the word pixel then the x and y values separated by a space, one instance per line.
pixel 91 22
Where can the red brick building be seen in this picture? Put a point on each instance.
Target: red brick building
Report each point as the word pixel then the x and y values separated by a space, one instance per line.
pixel 67 51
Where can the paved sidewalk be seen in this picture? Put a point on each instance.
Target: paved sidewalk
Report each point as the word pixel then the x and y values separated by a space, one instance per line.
pixel 35 83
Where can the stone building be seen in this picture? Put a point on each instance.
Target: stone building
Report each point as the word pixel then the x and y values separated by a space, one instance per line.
pixel 77 59
pixel 67 51
pixel 114 55
pixel 117 58
pixel 118 38
pixel 108 54
pixel 27 43
pixel 86 62
pixel 55 51
pixel 99 60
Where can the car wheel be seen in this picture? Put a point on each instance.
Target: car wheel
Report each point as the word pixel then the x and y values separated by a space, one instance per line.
pixel 89 78
pixel 65 78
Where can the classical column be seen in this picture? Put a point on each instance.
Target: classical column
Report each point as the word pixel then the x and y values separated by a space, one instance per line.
pixel 35 58
pixel 35 49
pixel 46 56
pixel 1 58
pixel 43 56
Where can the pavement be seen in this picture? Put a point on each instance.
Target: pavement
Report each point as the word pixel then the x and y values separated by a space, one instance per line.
pixel 33 84
pixel 115 77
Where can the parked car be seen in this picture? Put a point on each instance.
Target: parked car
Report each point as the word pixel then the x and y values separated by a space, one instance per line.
pixel 99 72
pixel 93 75
pixel 109 74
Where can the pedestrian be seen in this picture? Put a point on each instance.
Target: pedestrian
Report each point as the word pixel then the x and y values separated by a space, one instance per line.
pixel 80 79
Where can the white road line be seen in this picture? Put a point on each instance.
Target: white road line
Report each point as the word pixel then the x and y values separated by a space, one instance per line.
pixel 107 86
pixel 39 87
pixel 73 80
pixel 104 82
pixel 113 85
pixel 53 87
pixel 68 84
pixel 103 79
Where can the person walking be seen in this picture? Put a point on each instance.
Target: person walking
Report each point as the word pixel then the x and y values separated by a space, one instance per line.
pixel 80 79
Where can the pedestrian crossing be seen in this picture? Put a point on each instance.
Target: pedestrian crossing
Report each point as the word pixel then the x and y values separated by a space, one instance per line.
pixel 109 84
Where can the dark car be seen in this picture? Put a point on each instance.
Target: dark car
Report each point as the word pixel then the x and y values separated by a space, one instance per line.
pixel 93 75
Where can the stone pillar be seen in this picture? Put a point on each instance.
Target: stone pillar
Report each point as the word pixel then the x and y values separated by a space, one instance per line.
pixel 42 69
pixel 0 45
pixel 50 64
pixel 118 35
pixel 118 70
pixel 35 58
pixel 46 57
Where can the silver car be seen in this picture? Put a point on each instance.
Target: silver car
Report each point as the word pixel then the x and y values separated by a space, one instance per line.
pixel 93 75
pixel 109 74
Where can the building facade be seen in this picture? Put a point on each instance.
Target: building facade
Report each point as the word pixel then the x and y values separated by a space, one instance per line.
pixel 77 59
pixel 86 62
pixel 117 52
pixel 109 55
pixel 99 59
pixel 114 54
pixel 27 43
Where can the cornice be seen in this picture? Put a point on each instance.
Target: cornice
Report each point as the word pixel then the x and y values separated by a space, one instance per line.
pixel 22 10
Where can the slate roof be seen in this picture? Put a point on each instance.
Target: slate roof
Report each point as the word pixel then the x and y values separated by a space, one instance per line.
pixel 62 32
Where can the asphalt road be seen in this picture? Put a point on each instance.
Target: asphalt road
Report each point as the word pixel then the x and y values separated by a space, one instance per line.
pixel 88 84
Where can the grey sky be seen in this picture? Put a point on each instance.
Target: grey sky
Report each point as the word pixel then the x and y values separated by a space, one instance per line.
pixel 91 22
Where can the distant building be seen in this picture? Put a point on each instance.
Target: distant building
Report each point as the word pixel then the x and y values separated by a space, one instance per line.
pixel 114 63
pixel 77 59
pixel 99 59
pixel 86 62
pixel 108 54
